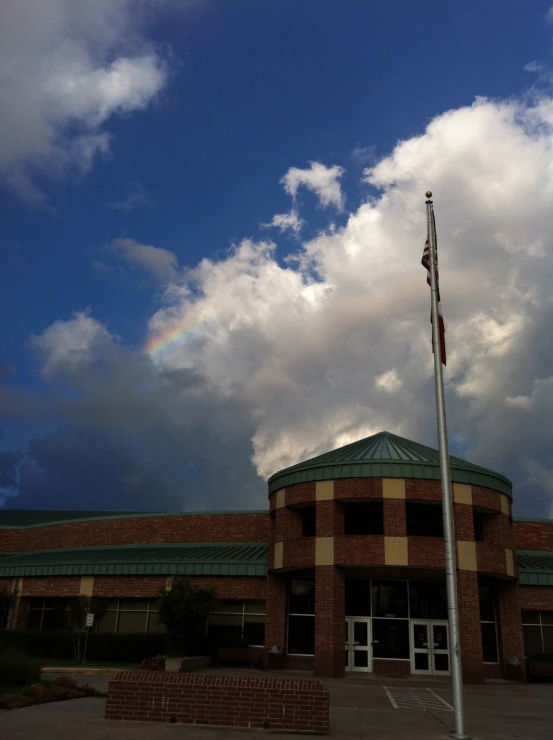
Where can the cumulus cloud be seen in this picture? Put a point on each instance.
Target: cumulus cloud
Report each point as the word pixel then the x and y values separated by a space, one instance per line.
pixel 272 361
pixel 285 221
pixel 321 180
pixel 66 346
pixel 65 69
pixel 533 67
pixel 160 263
pixel 549 15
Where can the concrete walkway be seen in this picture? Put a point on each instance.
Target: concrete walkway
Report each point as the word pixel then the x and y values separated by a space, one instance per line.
pixel 359 711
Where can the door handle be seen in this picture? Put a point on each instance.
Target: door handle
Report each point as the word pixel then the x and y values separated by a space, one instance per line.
pixel 425 644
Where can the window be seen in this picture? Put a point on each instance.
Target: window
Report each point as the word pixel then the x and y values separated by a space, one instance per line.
pixel 363 517
pixel 48 614
pixel 309 521
pixel 130 616
pixel 391 638
pixel 358 598
pixel 478 519
pixel 427 600
pixel 389 599
pixel 424 520
pixel 537 628
pixel 488 627
pixel 242 619
pixel 301 617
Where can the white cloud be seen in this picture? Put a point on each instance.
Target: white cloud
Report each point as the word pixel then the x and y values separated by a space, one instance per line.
pixel 533 67
pixel 66 346
pixel 310 358
pixel 285 221
pixel 549 15
pixel 135 197
pixel 161 263
pixel 321 180
pixel 65 68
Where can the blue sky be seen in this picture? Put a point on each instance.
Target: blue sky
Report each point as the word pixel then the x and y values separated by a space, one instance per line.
pixel 171 126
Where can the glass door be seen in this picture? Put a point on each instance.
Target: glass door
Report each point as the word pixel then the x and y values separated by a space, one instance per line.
pixel 429 648
pixel 358 654
pixel 420 648
pixel 440 648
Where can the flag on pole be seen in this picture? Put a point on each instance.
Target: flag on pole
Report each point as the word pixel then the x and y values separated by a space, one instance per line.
pixel 426 264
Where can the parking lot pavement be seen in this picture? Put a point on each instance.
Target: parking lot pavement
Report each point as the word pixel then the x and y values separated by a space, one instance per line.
pixel 360 711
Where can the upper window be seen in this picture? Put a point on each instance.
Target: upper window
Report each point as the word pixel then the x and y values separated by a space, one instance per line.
pixel 478 519
pixel 309 521
pixel 427 600
pixel 389 599
pixel 48 614
pixel 363 517
pixel 424 520
pixel 241 619
pixel 301 596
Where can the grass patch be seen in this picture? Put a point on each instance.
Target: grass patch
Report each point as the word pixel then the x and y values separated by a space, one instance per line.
pixel 61 663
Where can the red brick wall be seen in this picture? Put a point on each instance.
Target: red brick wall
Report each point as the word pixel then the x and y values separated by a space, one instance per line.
pixel 510 624
pixel 533 536
pixel 139 531
pixel 469 623
pixel 536 598
pixel 227 701
pixel 275 613
pixel 62 586
pixel 329 621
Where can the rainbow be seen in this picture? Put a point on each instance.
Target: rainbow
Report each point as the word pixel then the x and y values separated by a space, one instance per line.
pixel 159 343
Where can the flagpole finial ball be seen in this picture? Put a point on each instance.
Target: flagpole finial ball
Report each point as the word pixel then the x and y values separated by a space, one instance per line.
pixel 428 193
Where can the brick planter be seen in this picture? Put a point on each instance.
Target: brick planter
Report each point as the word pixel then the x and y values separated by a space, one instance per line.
pixel 225 701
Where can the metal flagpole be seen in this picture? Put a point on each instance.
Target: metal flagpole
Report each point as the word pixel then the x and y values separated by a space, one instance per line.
pixel 447 505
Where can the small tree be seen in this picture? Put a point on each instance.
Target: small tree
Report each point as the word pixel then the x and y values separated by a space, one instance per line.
pixel 76 621
pixel 7 603
pixel 183 610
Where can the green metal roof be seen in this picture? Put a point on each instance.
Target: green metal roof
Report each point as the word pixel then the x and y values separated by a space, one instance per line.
pixel 535 568
pixel 22 518
pixel 206 559
pixel 385 455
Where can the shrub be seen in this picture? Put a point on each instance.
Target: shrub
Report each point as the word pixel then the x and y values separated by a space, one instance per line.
pixel 17 668
pixel 184 610
pixel 542 657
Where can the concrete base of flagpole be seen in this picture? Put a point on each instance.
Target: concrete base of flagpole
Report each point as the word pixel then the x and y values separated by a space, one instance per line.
pixel 456 736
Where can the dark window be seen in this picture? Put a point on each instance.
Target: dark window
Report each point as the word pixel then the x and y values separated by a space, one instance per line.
pixel 390 638
pixel 489 642
pixel 389 599
pixel 308 521
pixel 427 601
pixel 301 635
pixel 363 517
pixel 301 596
pixel 48 614
pixel 537 628
pixel 424 520
pixel 358 598
pixel 254 629
pixel 486 598
pixel 478 520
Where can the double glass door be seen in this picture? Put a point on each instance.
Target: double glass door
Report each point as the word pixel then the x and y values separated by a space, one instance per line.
pixel 358 644
pixel 430 648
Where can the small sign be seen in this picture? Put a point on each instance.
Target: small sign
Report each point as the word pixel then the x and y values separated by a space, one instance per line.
pixel 89 620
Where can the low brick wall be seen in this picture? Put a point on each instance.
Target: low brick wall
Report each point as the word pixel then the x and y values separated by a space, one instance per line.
pixel 225 701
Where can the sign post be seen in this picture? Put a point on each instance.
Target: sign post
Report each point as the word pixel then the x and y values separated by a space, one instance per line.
pixel 88 624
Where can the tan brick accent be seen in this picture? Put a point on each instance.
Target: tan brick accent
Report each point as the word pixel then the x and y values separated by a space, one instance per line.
pixel 504 504
pixel 87 586
pixel 280 498
pixel 462 494
pixel 466 554
pixel 393 488
pixel 169 583
pixel 324 490
pixel 510 562
pixel 395 551
pixel 279 554
pixel 324 551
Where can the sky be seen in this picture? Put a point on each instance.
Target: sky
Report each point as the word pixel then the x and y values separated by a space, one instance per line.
pixel 212 220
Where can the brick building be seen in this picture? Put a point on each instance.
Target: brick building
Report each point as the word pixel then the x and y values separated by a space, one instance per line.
pixel 344 572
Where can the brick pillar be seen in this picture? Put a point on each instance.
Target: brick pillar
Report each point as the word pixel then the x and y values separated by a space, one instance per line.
pixel 275 611
pixel 469 626
pixel 511 642
pixel 395 523
pixel 329 622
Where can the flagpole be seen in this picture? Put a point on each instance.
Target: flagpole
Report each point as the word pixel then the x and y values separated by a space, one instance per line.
pixel 447 506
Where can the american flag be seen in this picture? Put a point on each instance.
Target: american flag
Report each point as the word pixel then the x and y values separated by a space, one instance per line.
pixel 426 265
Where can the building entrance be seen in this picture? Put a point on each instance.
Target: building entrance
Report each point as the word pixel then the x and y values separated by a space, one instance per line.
pixel 358 653
pixel 430 648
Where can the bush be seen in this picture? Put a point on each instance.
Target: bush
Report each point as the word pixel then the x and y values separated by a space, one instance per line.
pixel 17 668
pixel 101 646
